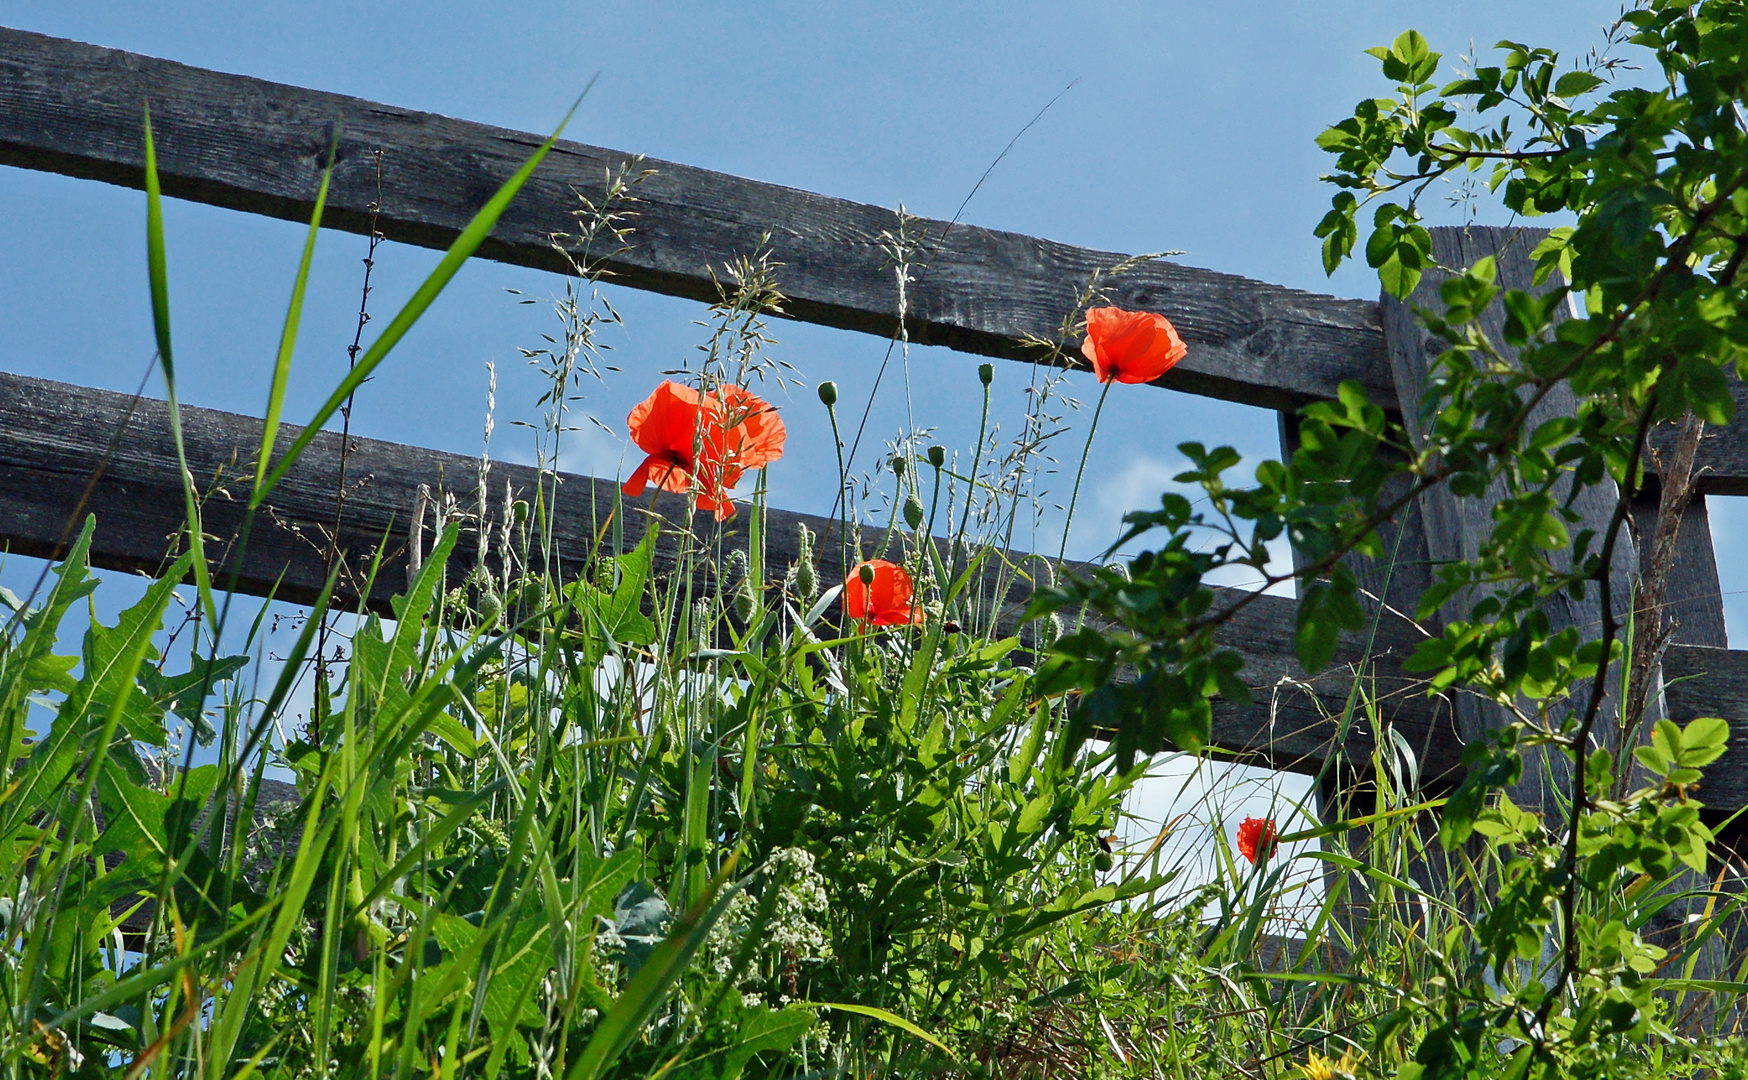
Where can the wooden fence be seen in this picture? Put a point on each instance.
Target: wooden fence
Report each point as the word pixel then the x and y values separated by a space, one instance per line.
pixel 257 146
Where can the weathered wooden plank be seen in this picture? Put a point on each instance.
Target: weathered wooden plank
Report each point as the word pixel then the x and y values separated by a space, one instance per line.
pixel 1693 597
pixel 1721 465
pixel 1700 681
pixel 258 146
pixel 1393 586
pixel 53 438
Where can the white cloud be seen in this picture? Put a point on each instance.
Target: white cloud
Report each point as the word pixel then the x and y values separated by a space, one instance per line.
pixel 1138 487
pixel 589 451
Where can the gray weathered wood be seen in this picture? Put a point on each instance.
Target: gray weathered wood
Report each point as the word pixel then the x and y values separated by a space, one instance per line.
pixel 1393 586
pixel 1721 466
pixel 1457 527
pixel 252 145
pixel 53 439
pixel 1694 597
pixel 1700 681
pixel 257 146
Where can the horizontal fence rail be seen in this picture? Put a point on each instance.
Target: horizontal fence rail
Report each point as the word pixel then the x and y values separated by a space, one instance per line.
pixel 257 146
pixel 54 438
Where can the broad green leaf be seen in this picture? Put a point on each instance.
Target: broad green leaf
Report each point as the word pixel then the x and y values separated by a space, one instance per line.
pixel 619 614
pixel 650 986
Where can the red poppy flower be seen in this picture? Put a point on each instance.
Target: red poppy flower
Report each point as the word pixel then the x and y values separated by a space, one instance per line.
pixel 1130 346
pixel 889 601
pixel 755 433
pixel 702 442
pixel 1256 838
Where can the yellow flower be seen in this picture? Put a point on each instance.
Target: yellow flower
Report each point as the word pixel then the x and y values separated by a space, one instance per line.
pixel 1318 1067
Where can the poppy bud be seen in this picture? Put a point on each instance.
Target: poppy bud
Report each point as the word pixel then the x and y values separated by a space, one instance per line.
pixel 489 606
pixel 913 511
pixel 806 580
pixel 742 598
pixel 866 573
pixel 898 464
pixel 937 456
pixel 986 373
pixel 828 393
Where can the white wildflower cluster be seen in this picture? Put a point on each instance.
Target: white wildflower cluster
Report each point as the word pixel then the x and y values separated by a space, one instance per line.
pixel 801 897
pixel 791 937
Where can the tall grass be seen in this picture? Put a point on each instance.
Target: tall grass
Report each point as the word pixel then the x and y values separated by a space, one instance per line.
pixel 668 813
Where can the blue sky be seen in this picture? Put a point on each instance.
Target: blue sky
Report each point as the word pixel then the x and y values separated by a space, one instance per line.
pixel 1190 128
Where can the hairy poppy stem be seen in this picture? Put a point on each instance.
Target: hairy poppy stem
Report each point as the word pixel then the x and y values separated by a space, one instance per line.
pixel 842 500
pixel 976 467
pixel 1080 472
pixel 934 504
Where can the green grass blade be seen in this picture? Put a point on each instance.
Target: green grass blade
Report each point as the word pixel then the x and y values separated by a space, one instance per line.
pixel 157 273
pixel 889 1018
pixel 293 315
pixel 459 252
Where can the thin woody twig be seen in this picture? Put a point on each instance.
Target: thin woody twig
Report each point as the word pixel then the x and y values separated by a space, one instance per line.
pixel 1652 631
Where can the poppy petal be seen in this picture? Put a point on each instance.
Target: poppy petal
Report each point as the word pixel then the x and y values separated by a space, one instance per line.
pixel 637 481
pixel 1131 346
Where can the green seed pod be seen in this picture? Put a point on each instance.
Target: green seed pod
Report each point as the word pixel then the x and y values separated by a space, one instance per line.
pixel 986 373
pixel 898 464
pixel 937 456
pixel 802 573
pixel 828 393
pixel 742 597
pixel 489 606
pixel 866 573
pixel 913 511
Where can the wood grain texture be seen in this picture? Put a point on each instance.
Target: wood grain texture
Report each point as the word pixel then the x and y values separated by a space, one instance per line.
pixel 53 439
pixel 1694 598
pixel 1700 681
pixel 1721 466
pixel 258 146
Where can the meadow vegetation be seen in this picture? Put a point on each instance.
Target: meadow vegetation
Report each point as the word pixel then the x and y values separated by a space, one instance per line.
pixel 683 810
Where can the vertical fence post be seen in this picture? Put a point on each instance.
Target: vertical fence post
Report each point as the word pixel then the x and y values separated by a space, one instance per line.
pixel 1694 597
pixel 1455 529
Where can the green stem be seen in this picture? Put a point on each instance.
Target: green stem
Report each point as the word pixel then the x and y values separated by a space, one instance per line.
pixel 971 488
pixel 934 504
pixel 1080 472
pixel 843 496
